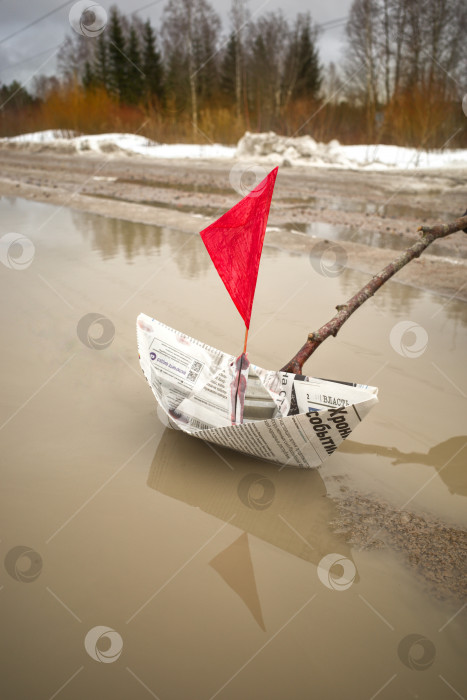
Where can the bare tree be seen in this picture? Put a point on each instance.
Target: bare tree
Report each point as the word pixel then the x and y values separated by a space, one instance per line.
pixel 398 14
pixel 408 55
pixel 363 60
pixel 190 30
pixel 427 43
pixel 386 49
pixel 44 85
pixel 75 51
pixel 240 17
pixel 332 85
pixel 268 43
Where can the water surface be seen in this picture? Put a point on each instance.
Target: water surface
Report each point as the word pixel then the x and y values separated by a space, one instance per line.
pixel 205 563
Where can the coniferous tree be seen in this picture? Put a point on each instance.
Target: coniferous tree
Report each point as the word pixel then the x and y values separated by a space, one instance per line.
pixel 308 74
pixel 14 96
pixel 118 62
pixel 177 91
pixel 227 80
pixel 134 83
pixel 152 64
pixel 89 79
pixel 100 68
pixel 302 72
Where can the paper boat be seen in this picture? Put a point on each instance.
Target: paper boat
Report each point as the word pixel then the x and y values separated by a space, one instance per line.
pixel 288 419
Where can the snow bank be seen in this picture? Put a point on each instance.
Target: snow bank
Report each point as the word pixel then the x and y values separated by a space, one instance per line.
pixel 260 148
pixel 68 142
pixel 304 150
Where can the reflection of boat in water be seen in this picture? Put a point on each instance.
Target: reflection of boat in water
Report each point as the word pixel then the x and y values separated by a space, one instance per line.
pixel 287 509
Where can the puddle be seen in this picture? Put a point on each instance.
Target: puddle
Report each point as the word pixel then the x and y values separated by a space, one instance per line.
pixel 391 210
pixel 188 208
pixel 333 232
pixel 392 240
pixel 166 541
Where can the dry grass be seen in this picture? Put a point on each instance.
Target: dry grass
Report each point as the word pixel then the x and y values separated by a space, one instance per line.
pixel 417 118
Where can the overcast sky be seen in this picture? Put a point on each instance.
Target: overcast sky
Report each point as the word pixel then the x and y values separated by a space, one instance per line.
pixel 18 58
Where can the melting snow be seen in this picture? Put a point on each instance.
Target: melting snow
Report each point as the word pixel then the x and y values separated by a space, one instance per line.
pixel 258 148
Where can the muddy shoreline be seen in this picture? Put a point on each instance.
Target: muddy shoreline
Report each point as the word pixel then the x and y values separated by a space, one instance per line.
pixel 375 213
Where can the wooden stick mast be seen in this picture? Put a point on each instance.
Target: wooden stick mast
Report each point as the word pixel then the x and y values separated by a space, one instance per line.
pixel 246 340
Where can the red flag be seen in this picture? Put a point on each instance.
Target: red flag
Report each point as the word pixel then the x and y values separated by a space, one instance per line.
pixel 235 241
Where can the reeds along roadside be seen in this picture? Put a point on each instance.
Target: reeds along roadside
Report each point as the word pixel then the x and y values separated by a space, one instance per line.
pixel 405 121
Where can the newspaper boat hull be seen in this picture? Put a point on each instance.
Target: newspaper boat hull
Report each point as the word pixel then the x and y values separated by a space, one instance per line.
pixel 290 420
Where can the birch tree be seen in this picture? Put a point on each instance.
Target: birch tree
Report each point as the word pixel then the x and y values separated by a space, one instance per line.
pixel 239 17
pixel 190 30
pixel 363 56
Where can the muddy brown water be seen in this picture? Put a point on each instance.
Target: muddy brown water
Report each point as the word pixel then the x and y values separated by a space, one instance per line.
pixel 376 239
pixel 138 562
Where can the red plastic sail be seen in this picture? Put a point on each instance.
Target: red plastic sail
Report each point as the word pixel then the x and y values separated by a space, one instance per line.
pixel 235 242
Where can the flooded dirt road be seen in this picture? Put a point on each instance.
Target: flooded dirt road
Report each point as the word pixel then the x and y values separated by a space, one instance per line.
pixel 138 562
pixel 368 215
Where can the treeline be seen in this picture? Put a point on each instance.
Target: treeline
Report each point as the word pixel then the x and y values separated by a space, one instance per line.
pixel 406 62
pixel 256 71
pixel 400 80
